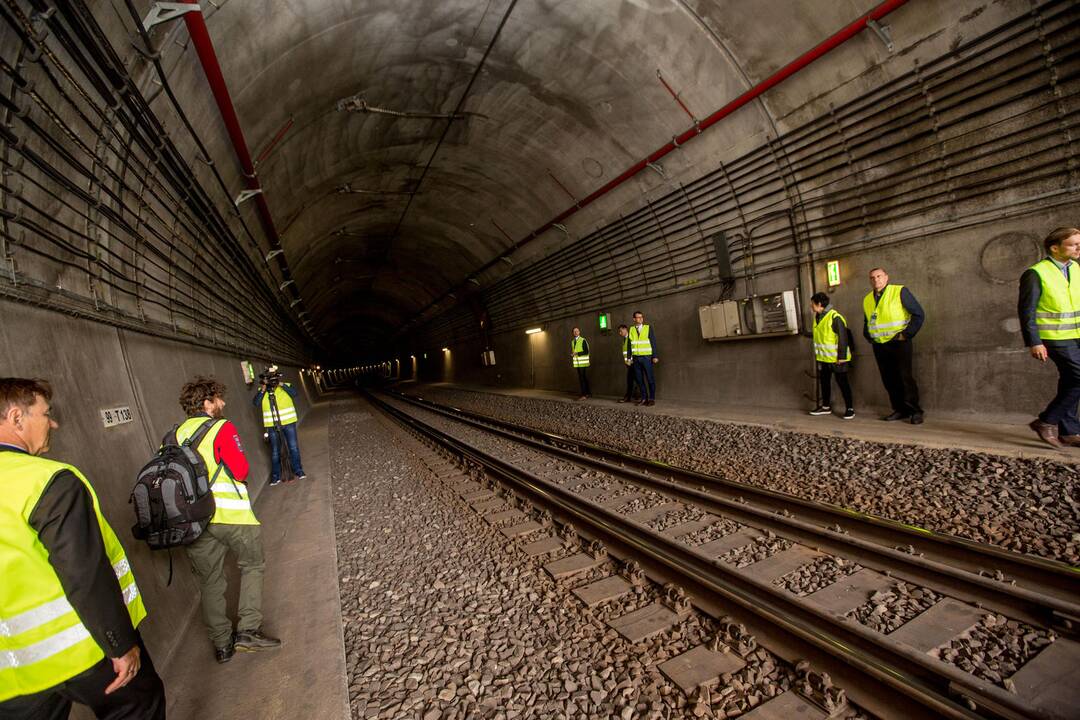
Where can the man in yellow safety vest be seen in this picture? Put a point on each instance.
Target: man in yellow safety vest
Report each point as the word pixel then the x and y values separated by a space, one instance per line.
pixel 641 352
pixel 233 527
pixel 891 318
pixel 277 401
pixel 69 605
pixel 1049 310
pixel 579 357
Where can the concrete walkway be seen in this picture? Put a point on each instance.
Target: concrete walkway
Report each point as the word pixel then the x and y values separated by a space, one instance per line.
pixel 1011 440
pixel 306 677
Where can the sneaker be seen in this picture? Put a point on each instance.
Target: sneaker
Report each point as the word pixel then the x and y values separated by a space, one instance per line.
pixel 301 476
pixel 254 640
pixel 225 654
pixel 849 414
pixel 821 410
pixel 274 482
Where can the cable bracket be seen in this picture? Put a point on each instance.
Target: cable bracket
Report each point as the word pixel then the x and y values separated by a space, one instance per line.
pixel 272 254
pixel 163 12
pixel 246 195
pixel 882 31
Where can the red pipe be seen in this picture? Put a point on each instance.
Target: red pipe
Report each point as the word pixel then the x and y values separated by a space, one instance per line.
pixel 204 46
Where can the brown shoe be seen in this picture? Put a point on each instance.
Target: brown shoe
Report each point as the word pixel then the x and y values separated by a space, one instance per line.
pixel 625 399
pixel 1072 440
pixel 1047 433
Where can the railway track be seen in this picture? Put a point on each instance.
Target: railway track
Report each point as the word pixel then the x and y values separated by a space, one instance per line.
pixel 910 623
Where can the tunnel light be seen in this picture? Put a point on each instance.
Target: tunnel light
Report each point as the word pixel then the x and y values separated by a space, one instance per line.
pixel 446 349
pixel 534 330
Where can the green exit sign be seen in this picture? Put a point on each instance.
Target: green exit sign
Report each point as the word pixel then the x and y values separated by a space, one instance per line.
pixel 605 321
pixel 833 267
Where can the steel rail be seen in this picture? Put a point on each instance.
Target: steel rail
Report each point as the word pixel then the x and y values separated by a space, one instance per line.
pixel 964 568
pixel 880 674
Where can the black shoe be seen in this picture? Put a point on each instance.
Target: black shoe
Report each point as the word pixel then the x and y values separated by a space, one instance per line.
pixel 274 483
pixel 917 419
pixel 625 399
pixel 849 414
pixel 821 410
pixel 254 640
pixel 650 402
pixel 895 416
pixel 224 655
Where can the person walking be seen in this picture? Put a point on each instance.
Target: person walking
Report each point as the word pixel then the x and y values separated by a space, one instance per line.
pixel 277 401
pixel 641 352
pixel 891 319
pixel 624 332
pixel 233 526
pixel 1049 309
pixel 70 608
pixel 832 350
pixel 579 356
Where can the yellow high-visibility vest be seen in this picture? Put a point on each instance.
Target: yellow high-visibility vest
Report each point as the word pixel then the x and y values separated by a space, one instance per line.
pixel 286 410
pixel 1057 316
pixel 639 342
pixel 887 318
pixel 42 640
pixel 578 345
pixel 231 500
pixel 826 341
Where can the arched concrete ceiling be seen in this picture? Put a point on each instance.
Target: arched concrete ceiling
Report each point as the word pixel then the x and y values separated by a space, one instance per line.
pixel 565 99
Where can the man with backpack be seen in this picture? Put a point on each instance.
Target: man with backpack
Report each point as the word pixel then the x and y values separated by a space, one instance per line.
pixel 276 400
pixel 232 527
pixel 69 605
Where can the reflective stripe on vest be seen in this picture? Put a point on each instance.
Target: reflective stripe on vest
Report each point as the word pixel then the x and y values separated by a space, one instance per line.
pixel 1057 316
pixel 888 317
pixel 578 345
pixel 640 343
pixel 286 410
pixel 826 341
pixel 42 640
pixel 231 500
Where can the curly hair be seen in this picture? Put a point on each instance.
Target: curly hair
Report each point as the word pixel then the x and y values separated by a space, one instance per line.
pixel 196 391
pixel 22 392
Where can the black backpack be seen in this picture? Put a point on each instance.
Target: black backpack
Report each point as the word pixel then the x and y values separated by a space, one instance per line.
pixel 172 498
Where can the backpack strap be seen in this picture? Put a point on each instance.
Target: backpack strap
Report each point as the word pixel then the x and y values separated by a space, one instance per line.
pixel 198 435
pixel 170 438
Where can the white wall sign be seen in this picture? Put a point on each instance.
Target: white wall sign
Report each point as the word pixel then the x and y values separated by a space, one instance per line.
pixel 116 416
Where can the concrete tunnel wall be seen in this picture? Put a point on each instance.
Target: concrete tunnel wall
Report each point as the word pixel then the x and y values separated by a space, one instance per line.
pixel 93 366
pixel 969 357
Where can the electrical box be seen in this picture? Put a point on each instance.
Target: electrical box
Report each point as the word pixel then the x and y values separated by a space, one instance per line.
pixel 758 316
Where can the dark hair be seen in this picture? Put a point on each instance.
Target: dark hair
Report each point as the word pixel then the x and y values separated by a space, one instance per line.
pixel 638 312
pixel 22 392
pixel 876 269
pixel 1058 236
pixel 820 298
pixel 624 327
pixel 196 391
pixel 575 328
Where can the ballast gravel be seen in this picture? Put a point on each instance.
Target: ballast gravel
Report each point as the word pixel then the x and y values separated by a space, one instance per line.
pixel 763 546
pixel 813 576
pixel 995 648
pixel 1022 504
pixel 444 619
pixel 887 610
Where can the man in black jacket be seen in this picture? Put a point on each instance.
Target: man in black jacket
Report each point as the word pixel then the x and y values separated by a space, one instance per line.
pixel 64 520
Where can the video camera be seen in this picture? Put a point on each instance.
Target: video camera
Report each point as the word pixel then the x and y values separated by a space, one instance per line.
pixel 271 378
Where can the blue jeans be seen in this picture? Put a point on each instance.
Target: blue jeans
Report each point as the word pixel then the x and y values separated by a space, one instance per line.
pixel 289 431
pixel 1062 409
pixel 646 379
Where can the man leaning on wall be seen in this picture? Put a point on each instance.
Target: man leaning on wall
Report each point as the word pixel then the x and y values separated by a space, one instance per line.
pixel 69 605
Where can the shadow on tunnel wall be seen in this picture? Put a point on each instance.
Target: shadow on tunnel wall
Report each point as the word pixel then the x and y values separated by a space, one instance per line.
pixel 92 367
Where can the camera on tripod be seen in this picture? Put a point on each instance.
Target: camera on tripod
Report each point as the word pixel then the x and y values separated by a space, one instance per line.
pixel 271 378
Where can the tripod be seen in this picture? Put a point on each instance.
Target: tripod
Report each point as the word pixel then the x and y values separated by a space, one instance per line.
pixel 285 456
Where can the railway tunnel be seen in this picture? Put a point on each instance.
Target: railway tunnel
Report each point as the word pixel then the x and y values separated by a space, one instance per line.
pixel 817 477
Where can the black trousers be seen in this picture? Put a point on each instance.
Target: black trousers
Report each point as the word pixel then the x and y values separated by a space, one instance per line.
pixel 1062 409
pixel 141 699
pixel 894 364
pixel 826 372
pixel 583 380
pixel 631 380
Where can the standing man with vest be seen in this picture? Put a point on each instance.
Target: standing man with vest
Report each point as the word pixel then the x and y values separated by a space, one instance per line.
pixel 624 332
pixel 69 605
pixel 233 526
pixel 276 400
pixel 642 353
pixel 579 356
pixel 892 317
pixel 1049 310
pixel 833 353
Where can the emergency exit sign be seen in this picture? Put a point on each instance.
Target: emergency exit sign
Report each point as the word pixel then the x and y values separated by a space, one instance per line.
pixel 833 268
pixel 605 321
